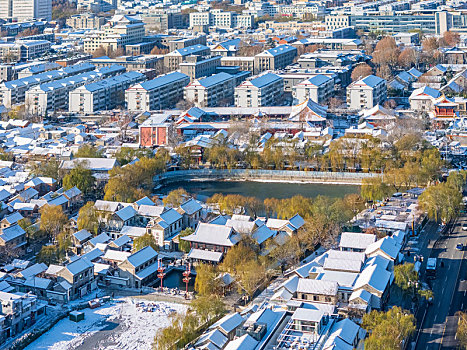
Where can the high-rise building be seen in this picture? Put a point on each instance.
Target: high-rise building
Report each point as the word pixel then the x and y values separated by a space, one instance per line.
pixel 21 10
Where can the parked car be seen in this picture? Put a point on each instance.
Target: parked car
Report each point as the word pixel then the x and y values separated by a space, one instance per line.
pixel 460 246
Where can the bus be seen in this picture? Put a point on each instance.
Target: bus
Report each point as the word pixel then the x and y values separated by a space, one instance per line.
pixel 431 267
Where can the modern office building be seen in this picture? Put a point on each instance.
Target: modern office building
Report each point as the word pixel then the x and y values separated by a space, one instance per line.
pixel 160 93
pixel 265 90
pixel 24 10
pixel 103 95
pixel 366 93
pixel 215 90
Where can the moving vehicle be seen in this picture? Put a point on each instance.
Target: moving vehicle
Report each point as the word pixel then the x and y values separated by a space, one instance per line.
pixel 431 265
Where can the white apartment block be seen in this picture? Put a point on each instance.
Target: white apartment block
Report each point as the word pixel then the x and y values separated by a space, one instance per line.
pixel 117 33
pixel 318 88
pixel 160 93
pixel 24 10
pixel 208 92
pixel 265 90
pixel 221 19
pixel 50 97
pixel 366 93
pixel 103 95
pixel 14 91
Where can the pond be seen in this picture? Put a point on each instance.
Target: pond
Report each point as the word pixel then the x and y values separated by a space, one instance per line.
pixel 261 190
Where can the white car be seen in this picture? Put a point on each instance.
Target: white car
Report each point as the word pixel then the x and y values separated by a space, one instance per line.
pixel 464 227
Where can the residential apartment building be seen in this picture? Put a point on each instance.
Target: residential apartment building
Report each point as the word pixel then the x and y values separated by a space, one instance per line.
pixel 196 66
pixel 116 34
pixel 14 91
pixel 265 90
pixel 215 90
pixel 244 63
pixel 173 59
pixel 103 95
pixel 23 10
pixel 129 62
pixel 318 88
pixel 18 311
pixel 226 48
pixel 160 93
pixel 275 58
pixel 85 21
pixel 366 93
pixel 22 50
pixel 50 97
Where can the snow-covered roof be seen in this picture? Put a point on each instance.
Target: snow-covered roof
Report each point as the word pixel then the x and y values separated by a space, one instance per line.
pixel 102 238
pixel 262 233
pixel 13 218
pixel 142 256
pixel 345 329
pixel 213 234
pixel 215 337
pixel 342 265
pixel 338 254
pixel 308 315
pixel 374 276
pixel 82 235
pixel 200 254
pixel 191 206
pixel 386 246
pixel 245 342
pixel 107 205
pixel 355 240
pixel 310 286
pixel 151 210
pixel 116 255
pixel 12 232
pixel 228 323
pixel 78 266
pixel 133 231
pixel 126 213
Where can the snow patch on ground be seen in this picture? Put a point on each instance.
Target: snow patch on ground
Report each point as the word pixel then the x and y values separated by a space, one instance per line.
pixel 137 320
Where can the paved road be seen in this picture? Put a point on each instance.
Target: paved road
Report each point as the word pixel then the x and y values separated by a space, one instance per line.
pixel 439 326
